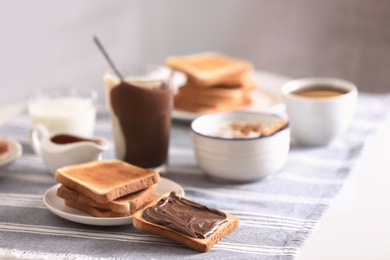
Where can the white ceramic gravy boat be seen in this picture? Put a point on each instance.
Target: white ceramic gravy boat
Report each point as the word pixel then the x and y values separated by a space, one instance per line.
pixel 61 149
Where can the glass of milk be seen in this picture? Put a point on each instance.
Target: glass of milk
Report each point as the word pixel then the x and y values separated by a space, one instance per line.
pixel 68 110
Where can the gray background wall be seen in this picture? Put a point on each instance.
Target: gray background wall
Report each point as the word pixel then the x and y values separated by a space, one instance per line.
pixel 49 43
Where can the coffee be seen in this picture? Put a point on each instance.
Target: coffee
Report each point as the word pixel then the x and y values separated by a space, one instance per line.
pixel 319 109
pixel 319 91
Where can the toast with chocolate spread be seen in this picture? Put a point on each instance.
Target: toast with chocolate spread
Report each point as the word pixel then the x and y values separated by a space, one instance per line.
pixel 127 204
pixel 105 181
pixel 184 221
pixel 210 69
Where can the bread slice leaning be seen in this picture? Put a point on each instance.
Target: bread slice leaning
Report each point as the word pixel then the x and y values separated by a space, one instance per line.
pixel 105 181
pixel 198 244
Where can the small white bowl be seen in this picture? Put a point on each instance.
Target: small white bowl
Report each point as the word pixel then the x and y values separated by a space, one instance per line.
pixel 239 159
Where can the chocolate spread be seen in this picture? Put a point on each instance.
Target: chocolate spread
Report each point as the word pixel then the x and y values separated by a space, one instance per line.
pixel 144 117
pixel 185 216
pixel 69 139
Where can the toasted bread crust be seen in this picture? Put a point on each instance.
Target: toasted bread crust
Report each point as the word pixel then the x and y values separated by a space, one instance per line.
pixel 209 69
pixel 126 204
pixel 203 103
pixel 212 96
pixel 105 181
pixel 215 83
pixel 100 213
pixel 197 244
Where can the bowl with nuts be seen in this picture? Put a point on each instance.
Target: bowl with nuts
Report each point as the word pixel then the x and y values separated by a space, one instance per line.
pixel 240 146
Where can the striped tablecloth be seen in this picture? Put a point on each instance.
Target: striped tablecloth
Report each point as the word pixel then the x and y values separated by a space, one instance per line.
pixel 276 214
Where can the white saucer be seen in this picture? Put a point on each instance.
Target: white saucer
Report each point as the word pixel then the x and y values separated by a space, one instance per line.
pixel 14 152
pixel 57 206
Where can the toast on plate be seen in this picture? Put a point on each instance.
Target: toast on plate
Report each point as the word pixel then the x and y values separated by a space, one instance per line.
pixel 96 212
pixel 125 204
pixel 105 181
pixel 184 221
pixel 210 69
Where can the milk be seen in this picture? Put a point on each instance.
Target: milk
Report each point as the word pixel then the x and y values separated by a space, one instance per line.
pixel 74 115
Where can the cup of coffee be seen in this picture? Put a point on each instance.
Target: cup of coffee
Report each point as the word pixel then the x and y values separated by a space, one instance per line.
pixel 67 110
pixel 319 109
pixel 140 108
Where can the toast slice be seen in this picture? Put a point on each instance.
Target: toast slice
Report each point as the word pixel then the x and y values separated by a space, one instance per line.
pixel 218 98
pixel 191 211
pixel 244 83
pixel 100 213
pixel 126 204
pixel 105 181
pixel 216 101
pixel 209 69
pixel 190 106
pixel 211 96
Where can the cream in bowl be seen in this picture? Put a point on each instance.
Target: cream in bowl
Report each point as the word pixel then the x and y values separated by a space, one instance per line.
pixel 240 146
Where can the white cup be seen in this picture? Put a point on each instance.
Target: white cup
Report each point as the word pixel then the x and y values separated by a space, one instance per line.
pixel 317 120
pixel 69 110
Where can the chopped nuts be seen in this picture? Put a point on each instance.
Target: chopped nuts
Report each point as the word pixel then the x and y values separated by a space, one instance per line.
pixel 245 129
pixel 237 130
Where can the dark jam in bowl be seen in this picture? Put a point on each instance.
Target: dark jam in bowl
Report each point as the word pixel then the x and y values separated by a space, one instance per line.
pixel 70 139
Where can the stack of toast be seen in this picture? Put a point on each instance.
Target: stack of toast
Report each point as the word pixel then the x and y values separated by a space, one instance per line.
pixel 106 188
pixel 215 82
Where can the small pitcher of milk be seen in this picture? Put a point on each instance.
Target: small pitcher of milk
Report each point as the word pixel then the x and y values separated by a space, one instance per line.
pixel 70 111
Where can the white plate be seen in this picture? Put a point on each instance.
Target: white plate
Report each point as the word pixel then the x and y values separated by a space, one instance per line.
pixel 57 206
pixel 14 152
pixel 266 97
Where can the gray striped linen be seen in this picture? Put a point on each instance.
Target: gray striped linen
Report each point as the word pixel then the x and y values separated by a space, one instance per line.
pixel 276 214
